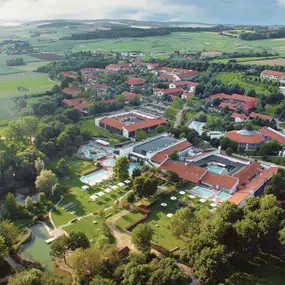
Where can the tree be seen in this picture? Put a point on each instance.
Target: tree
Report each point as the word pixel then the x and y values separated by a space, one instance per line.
pixel 140 135
pixel 10 207
pixel 121 168
pixel 172 176
pixel 41 198
pixel 175 156
pixel 229 151
pixel 136 172
pixel 4 251
pixel 62 168
pixel 84 261
pixel 281 236
pixel 211 266
pixel 60 248
pixel 145 185
pixel 39 165
pixel 141 237
pixel 77 239
pixel 57 190
pixel 181 221
pixel 98 280
pixel 160 129
pixel 29 204
pixel 45 181
pixel 9 233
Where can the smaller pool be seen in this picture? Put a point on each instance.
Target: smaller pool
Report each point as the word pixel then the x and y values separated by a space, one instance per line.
pixel 202 192
pixel 223 196
pixel 132 166
pixel 95 177
pixel 215 169
pixel 109 162
pixel 197 126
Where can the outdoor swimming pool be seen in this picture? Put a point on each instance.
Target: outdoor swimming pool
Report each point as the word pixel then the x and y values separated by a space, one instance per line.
pixel 109 162
pixel 132 166
pixel 223 196
pixel 197 126
pixel 202 192
pixel 215 169
pixel 95 177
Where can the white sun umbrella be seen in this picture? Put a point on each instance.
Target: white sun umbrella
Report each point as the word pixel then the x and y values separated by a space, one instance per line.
pixel 202 200
pixel 163 204
pixel 169 215
pixel 213 205
pixel 108 190
pixel 173 198
pixel 214 200
pixel 192 197
pixel 101 193
pixel 182 193
pixel 121 184
pixel 85 187
pixel 114 187
pixel 127 181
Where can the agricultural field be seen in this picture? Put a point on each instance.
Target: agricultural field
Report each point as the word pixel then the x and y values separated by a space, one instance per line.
pixel 275 61
pixel 248 60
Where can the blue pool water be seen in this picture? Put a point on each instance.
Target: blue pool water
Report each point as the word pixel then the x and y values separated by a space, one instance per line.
pixel 215 169
pixel 202 192
pixel 109 162
pixel 197 126
pixel 95 177
pixel 132 166
pixel 223 196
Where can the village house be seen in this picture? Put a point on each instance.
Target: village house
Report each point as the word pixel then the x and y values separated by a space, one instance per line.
pixel 135 83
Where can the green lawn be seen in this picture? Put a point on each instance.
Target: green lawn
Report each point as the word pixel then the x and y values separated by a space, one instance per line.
pixel 128 219
pixel 236 78
pixel 92 230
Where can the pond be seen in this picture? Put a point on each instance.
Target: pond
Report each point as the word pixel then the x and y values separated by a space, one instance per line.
pixel 38 250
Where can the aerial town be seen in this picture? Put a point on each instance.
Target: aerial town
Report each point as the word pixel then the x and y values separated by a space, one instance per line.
pixel 141 167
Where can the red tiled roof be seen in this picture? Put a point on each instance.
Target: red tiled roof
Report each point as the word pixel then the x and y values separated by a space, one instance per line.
pixel 190 172
pixel 172 91
pixel 245 99
pixel 112 122
pixel 135 81
pixel 230 106
pixel 71 91
pixel 93 77
pixel 184 83
pixel 145 124
pixel 221 96
pixel 72 102
pixel 222 181
pixel 130 96
pixel 67 73
pixel 166 76
pixel 116 65
pixel 248 172
pixel 188 73
pixel 237 115
pixel 254 138
pixel 161 156
pixel 261 116
pixel 275 136
pixel 273 72
pixel 252 186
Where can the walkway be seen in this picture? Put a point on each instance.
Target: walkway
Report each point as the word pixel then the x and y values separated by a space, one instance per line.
pixel 12 262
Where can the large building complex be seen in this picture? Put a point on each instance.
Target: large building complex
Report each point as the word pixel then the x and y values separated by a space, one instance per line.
pixel 128 123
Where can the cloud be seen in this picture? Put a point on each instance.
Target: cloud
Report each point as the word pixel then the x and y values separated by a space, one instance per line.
pixel 29 10
pixel 281 2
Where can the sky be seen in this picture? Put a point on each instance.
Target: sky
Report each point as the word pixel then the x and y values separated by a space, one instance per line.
pixel 260 12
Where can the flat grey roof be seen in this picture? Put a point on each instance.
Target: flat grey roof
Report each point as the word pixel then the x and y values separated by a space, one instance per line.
pixel 154 145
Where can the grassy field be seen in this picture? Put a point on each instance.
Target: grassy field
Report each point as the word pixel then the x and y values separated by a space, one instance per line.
pixel 243 59
pixel 236 78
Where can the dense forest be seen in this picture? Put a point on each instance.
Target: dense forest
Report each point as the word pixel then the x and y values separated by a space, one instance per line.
pixel 261 35
pixel 138 33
